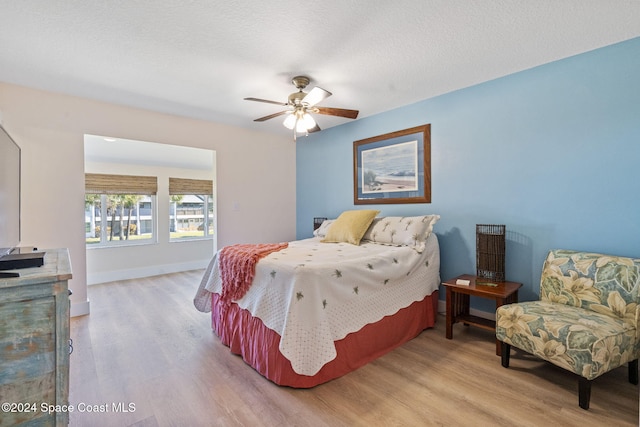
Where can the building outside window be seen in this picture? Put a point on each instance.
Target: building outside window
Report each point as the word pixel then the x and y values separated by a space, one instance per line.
pixel 191 210
pixel 119 209
pixel 127 217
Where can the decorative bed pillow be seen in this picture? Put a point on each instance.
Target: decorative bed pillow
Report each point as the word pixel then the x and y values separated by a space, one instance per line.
pixel 350 226
pixel 401 230
pixel 322 230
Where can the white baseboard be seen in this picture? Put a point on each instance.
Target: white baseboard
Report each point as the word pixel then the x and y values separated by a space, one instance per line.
pixel 137 273
pixel 442 309
pixel 79 309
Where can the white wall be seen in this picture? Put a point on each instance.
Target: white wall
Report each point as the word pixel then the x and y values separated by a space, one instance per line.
pixel 255 171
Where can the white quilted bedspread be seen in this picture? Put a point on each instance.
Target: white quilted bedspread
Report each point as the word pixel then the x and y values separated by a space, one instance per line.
pixel 314 293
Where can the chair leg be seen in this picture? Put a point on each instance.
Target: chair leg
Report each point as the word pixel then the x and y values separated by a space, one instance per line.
pixel 584 392
pixel 633 372
pixel 505 349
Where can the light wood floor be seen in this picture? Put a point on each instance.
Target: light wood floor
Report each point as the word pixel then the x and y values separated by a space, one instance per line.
pixel 144 343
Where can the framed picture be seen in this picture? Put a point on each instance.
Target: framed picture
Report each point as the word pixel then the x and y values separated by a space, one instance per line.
pixel 393 168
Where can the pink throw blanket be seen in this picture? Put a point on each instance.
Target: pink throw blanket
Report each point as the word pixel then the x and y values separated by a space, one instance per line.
pixel 238 266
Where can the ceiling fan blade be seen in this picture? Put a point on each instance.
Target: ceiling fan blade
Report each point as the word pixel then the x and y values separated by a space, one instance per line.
pixel 265 100
pixel 271 116
pixel 316 128
pixel 315 95
pixel 341 112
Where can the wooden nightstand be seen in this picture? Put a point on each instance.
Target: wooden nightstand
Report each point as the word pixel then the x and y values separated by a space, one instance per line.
pixel 458 301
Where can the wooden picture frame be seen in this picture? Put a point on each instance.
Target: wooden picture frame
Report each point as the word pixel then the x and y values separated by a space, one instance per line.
pixel 393 168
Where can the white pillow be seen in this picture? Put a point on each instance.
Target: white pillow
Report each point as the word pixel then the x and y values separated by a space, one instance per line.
pixel 401 230
pixel 322 230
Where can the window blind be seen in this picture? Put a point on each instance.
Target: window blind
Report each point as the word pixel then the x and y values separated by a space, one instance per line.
pixel 190 186
pixel 96 183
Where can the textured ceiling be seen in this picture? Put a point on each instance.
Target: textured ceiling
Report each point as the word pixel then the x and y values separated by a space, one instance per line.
pixel 201 58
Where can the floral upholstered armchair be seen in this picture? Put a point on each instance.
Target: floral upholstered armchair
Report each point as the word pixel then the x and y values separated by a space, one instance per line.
pixel 587 318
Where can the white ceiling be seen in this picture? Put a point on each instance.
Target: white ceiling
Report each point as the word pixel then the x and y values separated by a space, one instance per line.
pixel 200 58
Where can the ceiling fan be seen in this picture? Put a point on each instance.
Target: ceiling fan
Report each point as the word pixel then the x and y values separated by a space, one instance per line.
pixel 300 107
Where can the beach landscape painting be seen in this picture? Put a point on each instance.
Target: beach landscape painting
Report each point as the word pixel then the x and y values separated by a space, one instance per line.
pixel 393 168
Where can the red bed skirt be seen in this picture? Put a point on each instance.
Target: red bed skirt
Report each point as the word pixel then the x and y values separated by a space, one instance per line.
pixel 247 336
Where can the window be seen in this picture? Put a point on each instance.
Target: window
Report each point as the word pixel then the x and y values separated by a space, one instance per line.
pixel 191 209
pixel 119 209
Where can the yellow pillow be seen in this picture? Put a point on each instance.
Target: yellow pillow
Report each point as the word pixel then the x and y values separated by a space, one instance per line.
pixel 350 226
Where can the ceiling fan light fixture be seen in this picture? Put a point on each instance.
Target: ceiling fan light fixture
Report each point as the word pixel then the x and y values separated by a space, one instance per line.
pixel 300 126
pixel 300 121
pixel 290 121
pixel 308 121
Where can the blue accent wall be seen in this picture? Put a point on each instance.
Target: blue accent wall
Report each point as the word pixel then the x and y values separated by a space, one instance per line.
pixel 553 152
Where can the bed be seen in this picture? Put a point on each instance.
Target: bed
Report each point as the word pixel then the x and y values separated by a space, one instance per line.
pixel 317 309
